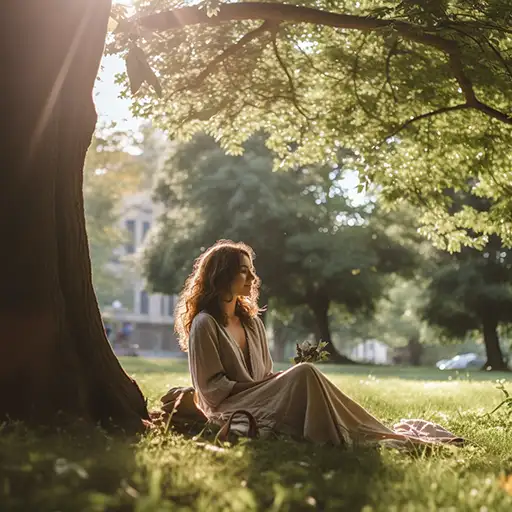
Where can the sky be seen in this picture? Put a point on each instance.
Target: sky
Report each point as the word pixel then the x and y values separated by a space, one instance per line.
pixel 109 105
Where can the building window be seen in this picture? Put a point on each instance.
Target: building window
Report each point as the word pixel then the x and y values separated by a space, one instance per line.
pixel 146 226
pixel 144 303
pixel 162 305
pixel 130 237
pixel 170 305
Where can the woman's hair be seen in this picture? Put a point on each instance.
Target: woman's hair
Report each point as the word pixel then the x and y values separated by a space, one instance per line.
pixel 211 278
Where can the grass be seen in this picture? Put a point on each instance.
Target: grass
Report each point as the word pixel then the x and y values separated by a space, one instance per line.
pixel 86 469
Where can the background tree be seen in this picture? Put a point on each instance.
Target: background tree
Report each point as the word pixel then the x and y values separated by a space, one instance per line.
pixel 288 326
pixel 473 291
pixel 398 320
pixel 110 172
pixel 421 92
pixel 54 356
pixel 313 248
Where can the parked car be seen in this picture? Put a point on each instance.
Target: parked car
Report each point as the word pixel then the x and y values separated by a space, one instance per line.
pixel 462 362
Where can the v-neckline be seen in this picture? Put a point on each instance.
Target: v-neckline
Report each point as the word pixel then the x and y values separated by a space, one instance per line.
pixel 247 364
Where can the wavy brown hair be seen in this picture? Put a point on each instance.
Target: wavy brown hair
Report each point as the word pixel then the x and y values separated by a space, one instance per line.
pixel 211 278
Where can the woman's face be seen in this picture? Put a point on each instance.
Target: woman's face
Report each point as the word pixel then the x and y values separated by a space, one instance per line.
pixel 243 281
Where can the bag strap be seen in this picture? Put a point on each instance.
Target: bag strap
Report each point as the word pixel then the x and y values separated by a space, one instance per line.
pixel 252 433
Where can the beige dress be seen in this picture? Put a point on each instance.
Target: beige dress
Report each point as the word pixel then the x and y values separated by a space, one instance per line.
pixel 300 401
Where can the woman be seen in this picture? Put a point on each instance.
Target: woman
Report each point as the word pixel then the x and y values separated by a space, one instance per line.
pixel 231 368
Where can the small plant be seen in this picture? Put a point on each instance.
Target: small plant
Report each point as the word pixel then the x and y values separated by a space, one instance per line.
pixel 507 401
pixel 309 353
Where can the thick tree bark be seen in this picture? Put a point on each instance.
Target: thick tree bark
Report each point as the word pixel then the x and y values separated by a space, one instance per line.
pixel 54 355
pixel 493 351
pixel 320 309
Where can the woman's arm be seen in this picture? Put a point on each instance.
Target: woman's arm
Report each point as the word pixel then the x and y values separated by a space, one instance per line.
pixel 208 374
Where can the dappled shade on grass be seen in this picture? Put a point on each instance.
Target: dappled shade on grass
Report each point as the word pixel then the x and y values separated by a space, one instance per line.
pixel 85 468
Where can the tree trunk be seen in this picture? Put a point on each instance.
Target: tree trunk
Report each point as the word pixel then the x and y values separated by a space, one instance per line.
pixel 279 342
pixel 494 355
pixel 279 349
pixel 320 310
pixel 54 355
pixel 415 349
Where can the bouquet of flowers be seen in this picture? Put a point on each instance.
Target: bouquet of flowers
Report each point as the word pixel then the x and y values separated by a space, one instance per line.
pixel 309 353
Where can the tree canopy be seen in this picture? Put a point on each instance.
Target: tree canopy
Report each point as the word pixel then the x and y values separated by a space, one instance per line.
pixel 420 93
pixel 313 247
pixel 472 291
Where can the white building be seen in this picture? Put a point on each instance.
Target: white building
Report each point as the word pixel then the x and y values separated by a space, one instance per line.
pixel 150 317
pixel 372 351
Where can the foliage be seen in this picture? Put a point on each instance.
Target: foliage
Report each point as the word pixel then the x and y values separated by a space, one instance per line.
pixel 313 246
pixel 507 401
pixel 468 287
pixel 309 353
pixel 397 321
pixel 88 469
pixel 110 171
pixel 472 290
pixel 420 93
pixel 286 325
pixel 399 315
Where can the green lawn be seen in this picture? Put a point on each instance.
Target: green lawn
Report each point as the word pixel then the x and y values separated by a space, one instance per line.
pixel 88 470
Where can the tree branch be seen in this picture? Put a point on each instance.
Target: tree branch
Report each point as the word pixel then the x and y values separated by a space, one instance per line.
pixel 457 67
pixel 427 115
pixel 232 50
pixel 500 57
pixel 478 23
pixel 492 112
pixel 278 13
pixel 493 48
pixel 355 71
pixel 293 91
pixel 392 51
pixel 312 63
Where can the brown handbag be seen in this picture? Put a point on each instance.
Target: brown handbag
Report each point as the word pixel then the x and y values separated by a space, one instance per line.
pixel 180 410
pixel 181 405
pixel 225 431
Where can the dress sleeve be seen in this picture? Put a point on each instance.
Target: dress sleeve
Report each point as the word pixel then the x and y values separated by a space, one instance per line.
pixel 267 358
pixel 206 368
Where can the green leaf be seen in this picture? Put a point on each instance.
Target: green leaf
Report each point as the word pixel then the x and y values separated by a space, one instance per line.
pixel 350 87
pixel 211 7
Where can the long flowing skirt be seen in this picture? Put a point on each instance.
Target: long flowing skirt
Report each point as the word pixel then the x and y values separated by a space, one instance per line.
pixel 302 402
